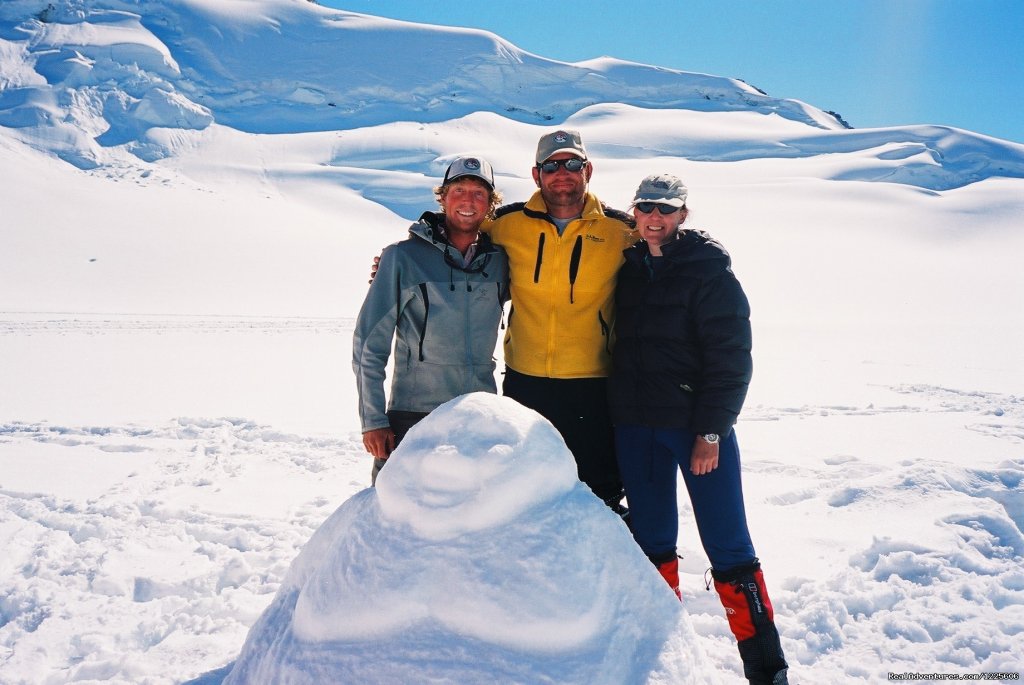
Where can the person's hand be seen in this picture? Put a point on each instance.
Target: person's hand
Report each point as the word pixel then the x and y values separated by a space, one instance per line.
pixel 704 457
pixel 379 442
pixel 373 268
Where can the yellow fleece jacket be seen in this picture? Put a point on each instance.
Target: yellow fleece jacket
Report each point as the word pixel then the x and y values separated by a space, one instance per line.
pixel 563 288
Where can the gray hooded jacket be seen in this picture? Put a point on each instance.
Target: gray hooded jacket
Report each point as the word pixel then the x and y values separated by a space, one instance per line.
pixel 446 317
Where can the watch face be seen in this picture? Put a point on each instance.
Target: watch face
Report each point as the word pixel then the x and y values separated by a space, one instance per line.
pixel 711 438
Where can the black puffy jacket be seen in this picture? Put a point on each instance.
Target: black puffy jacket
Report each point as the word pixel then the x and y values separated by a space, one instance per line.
pixel 682 350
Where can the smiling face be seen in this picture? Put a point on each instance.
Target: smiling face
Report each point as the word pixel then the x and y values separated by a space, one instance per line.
pixel 563 191
pixel 466 203
pixel 657 228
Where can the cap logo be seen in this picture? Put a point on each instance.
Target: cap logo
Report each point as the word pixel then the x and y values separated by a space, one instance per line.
pixel 561 137
pixel 660 184
pixel 472 163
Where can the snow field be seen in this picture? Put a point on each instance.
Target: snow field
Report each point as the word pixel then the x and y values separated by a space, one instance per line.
pixel 186 234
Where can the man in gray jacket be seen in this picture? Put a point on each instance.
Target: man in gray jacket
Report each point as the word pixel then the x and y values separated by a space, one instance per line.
pixel 440 292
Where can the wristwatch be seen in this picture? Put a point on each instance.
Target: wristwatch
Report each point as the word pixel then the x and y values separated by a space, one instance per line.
pixel 710 438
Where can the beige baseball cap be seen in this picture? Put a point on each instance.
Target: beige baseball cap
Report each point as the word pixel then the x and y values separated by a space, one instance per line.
pixel 564 140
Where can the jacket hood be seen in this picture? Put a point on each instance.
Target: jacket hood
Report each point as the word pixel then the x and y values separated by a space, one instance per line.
pixel 428 227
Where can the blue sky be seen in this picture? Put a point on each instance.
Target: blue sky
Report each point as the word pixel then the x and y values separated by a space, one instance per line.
pixel 875 62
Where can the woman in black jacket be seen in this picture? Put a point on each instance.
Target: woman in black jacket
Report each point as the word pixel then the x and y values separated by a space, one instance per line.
pixel 681 367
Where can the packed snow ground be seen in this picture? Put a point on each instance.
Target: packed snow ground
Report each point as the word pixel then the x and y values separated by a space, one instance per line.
pixel 177 287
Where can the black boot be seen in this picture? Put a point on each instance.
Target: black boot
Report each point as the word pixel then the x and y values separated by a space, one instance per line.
pixel 752 621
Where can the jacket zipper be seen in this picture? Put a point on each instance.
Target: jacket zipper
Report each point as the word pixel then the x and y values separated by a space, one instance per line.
pixel 426 315
pixel 540 258
pixel 574 266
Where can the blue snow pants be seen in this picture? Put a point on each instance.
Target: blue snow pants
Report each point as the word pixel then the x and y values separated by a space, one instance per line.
pixel 649 459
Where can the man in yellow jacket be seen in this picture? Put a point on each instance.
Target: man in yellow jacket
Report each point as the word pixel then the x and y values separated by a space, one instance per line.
pixel 564 251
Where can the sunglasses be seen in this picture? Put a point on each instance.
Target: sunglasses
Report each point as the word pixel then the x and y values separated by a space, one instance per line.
pixel 573 164
pixel 648 207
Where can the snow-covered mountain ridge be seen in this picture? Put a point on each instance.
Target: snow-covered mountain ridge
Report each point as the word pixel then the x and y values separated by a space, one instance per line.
pixel 334 70
pixel 86 78
pixel 117 68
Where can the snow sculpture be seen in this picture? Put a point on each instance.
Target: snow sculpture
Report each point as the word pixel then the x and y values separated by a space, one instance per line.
pixel 478 558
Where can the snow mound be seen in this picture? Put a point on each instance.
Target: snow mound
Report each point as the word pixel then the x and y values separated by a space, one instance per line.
pixel 478 558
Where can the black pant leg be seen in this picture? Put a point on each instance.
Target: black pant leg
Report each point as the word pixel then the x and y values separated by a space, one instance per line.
pixel 578 409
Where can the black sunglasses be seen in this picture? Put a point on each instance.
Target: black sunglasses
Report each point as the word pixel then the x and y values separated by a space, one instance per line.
pixel 648 207
pixel 573 164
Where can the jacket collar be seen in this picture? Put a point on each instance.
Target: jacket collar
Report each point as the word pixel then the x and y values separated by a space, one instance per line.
pixel 430 228
pixel 591 207
pixel 690 246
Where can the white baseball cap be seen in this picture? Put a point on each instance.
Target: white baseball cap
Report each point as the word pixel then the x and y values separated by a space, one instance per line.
pixel 469 166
